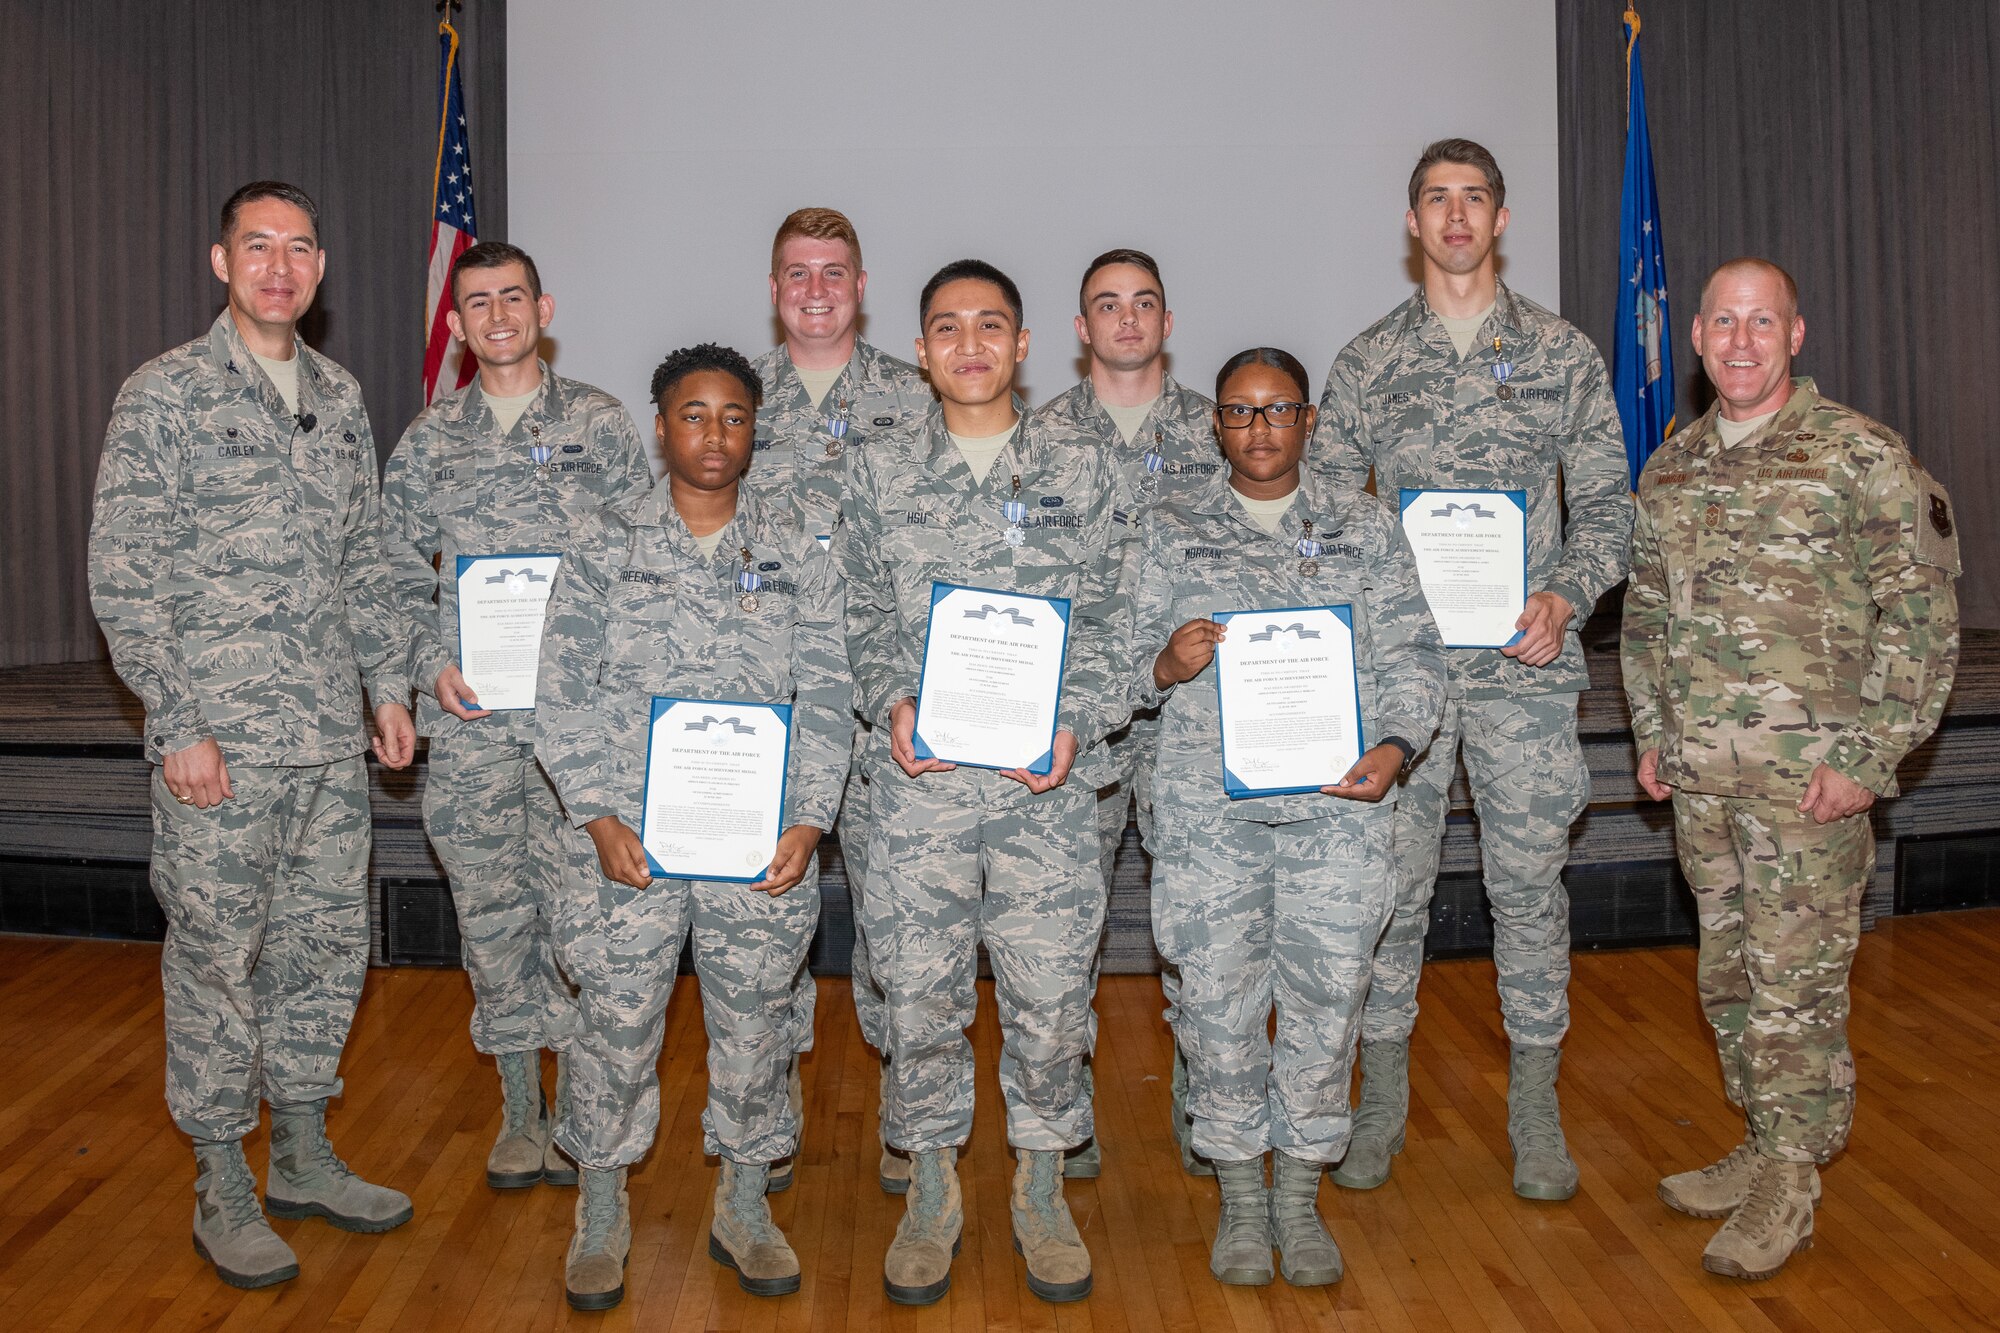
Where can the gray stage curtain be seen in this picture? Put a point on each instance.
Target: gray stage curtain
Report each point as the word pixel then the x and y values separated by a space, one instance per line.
pixel 1853 142
pixel 124 124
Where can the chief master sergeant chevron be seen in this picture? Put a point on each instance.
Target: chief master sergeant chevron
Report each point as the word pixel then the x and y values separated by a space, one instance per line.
pixel 236 570
pixel 1790 634
pixel 1471 386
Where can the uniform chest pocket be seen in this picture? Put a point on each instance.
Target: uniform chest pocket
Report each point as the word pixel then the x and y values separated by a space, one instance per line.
pixel 1409 458
pixel 1802 516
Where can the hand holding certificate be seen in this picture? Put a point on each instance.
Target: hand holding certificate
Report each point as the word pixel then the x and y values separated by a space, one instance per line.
pixel 1290 700
pixel 715 788
pixel 1472 557
pixel 992 679
pixel 501 600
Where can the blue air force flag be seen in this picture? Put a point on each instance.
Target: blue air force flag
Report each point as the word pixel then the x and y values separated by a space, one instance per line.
pixel 1642 356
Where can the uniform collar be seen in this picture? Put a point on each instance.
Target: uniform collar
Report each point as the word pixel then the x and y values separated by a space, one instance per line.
pixel 1805 394
pixel 656 510
pixel 549 404
pixel 855 373
pixel 1089 410
pixel 1507 314
pixel 230 357
pixel 941 455
pixel 1215 496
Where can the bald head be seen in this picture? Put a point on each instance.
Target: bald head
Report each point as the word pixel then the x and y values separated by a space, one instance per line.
pixel 1753 270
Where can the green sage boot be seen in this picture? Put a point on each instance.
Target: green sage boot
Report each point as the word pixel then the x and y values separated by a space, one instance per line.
pixel 594 1270
pixel 308 1179
pixel 230 1231
pixel 1307 1255
pixel 517 1156
pixel 1241 1255
pixel 1543 1168
pixel 1379 1119
pixel 745 1238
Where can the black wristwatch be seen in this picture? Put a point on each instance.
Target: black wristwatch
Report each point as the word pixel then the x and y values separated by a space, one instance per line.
pixel 1409 750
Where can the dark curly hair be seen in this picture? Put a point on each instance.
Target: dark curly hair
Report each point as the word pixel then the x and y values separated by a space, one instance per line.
pixel 706 356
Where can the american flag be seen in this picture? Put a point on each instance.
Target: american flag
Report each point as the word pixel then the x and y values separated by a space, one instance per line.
pixel 446 366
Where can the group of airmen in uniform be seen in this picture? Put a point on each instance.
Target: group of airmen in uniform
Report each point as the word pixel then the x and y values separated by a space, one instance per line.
pixel 1789 635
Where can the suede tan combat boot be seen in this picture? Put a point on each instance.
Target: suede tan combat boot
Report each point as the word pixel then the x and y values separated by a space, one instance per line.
pixel 1774 1223
pixel 1241 1255
pixel 1379 1119
pixel 1307 1255
pixel 1044 1233
pixel 745 1238
pixel 917 1268
pixel 594 1270
pixel 1719 1189
pixel 308 1179
pixel 518 1153
pixel 230 1231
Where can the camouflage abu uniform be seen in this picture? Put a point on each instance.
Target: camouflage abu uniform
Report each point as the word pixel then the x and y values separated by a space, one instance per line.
pixel 455 486
pixel 638 611
pixel 968 855
pixel 1791 605
pixel 1399 398
pixel 1277 898
pixel 236 571
pixel 1180 433
pixel 798 458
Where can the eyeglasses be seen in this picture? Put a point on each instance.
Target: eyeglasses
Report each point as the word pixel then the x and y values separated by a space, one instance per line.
pixel 1278 416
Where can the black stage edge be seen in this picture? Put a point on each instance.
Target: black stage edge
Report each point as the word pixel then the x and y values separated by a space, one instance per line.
pixel 75 829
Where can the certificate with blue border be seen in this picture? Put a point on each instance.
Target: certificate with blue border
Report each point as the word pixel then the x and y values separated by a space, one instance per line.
pixel 992 677
pixel 501 602
pixel 1472 556
pixel 1290 699
pixel 714 799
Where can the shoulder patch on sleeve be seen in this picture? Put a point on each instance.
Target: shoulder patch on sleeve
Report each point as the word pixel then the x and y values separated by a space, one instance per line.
pixel 1937 532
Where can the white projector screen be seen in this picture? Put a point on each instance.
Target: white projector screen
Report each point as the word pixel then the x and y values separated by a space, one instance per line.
pixel 1259 151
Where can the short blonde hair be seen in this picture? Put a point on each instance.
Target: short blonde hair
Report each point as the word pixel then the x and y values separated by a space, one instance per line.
pixel 819 224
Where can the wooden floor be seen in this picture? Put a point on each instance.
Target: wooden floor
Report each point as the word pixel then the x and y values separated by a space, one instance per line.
pixel 95 1183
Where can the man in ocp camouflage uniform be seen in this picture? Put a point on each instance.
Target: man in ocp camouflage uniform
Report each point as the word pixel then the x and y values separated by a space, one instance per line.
pixel 1790 635
pixel 826 393
pixel 1162 437
pixel 237 573
pixel 509 465
pixel 983 497
pixel 1471 386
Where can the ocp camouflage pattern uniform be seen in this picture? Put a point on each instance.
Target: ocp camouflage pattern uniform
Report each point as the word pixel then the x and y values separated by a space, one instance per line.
pixel 1180 433
pixel 237 573
pixel 1274 898
pixel 455 486
pixel 638 611
pixel 1400 399
pixel 1791 605
pixel 799 459
pixel 966 856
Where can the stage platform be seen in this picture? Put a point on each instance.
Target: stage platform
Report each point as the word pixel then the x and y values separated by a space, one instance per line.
pixel 95 1182
pixel 75 828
